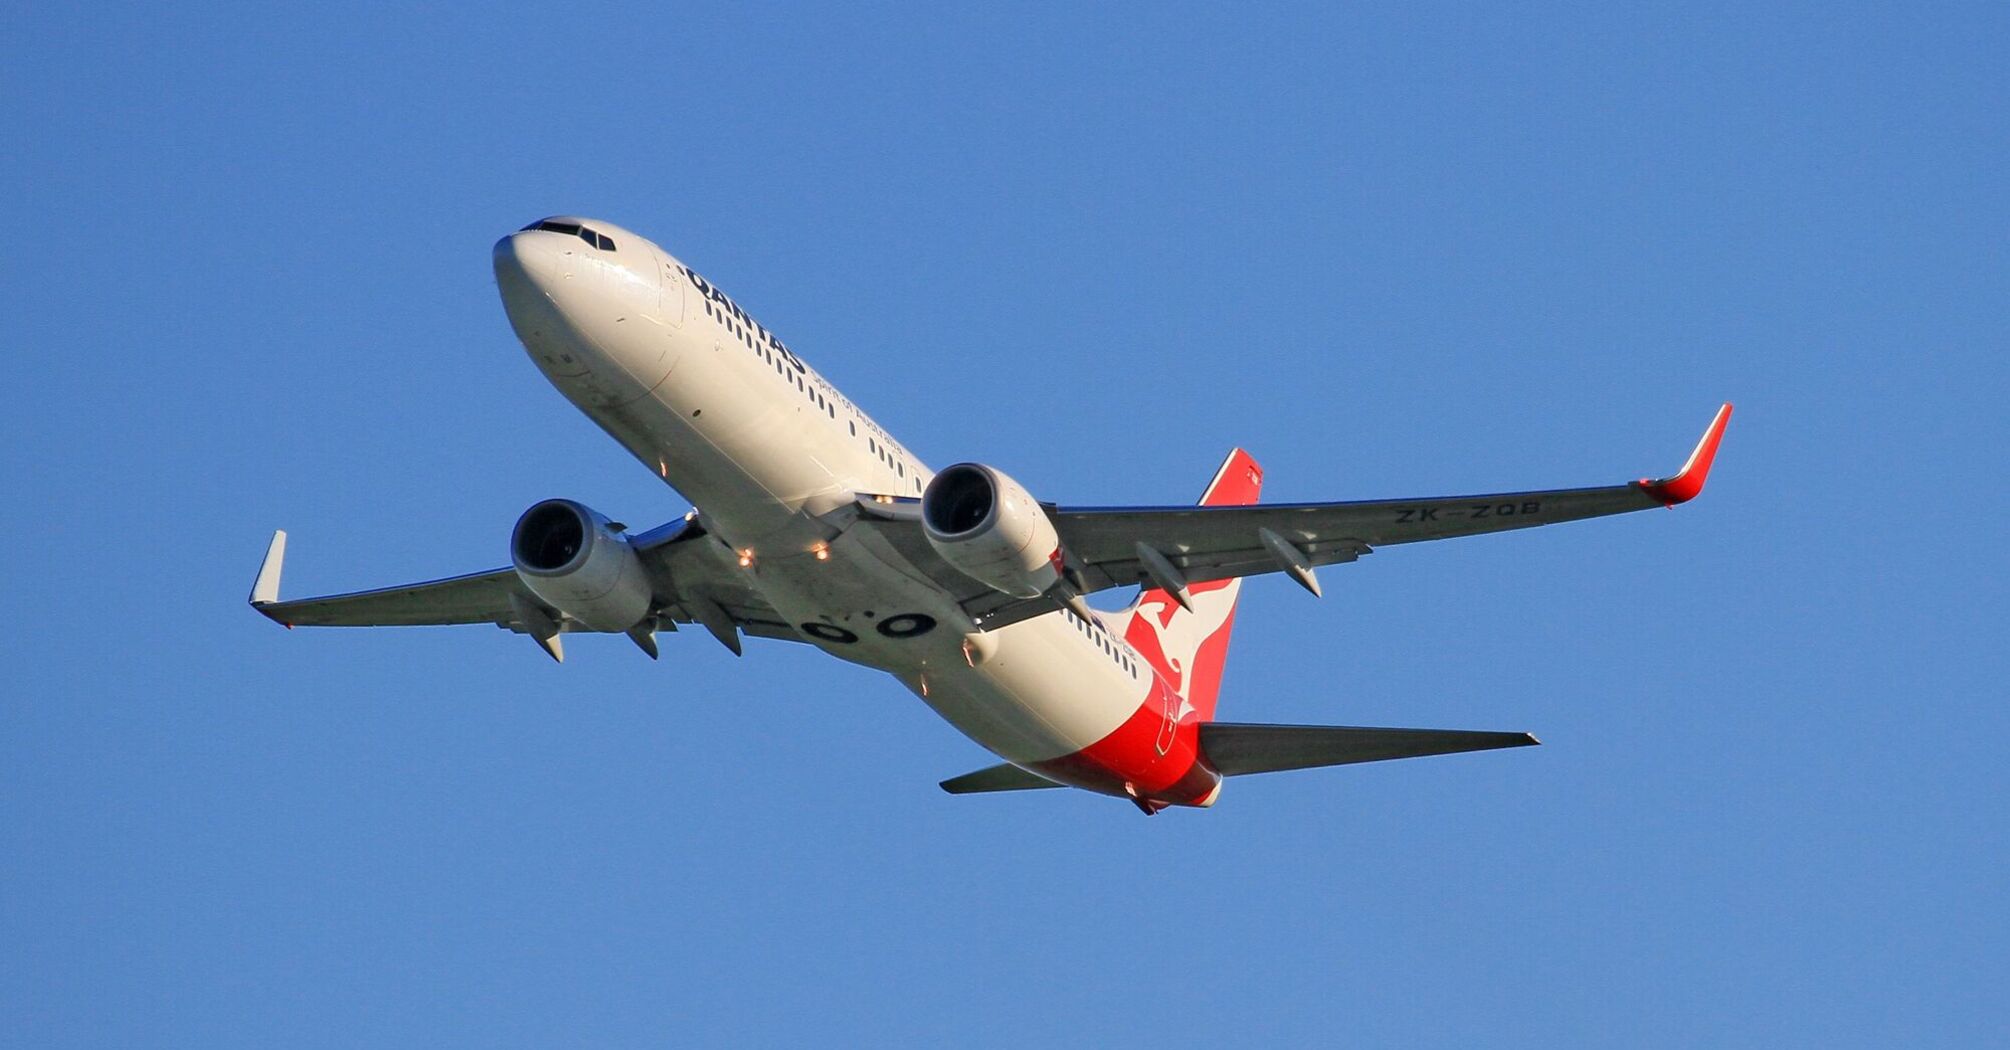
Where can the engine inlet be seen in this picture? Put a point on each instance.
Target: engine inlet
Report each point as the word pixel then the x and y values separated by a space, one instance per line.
pixel 959 500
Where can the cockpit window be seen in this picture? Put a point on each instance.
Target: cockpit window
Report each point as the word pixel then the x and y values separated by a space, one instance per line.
pixel 593 238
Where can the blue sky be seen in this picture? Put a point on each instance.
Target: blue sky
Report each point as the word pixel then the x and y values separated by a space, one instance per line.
pixel 1407 250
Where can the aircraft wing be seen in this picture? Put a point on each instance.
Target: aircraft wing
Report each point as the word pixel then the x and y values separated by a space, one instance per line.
pixel 691 581
pixel 1108 547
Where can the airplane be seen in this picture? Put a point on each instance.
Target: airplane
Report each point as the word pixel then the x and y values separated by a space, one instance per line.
pixel 814 525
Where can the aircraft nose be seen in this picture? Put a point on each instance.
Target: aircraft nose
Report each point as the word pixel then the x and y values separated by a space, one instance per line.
pixel 525 263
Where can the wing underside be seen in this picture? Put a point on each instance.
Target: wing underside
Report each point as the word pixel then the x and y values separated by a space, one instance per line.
pixel 692 577
pixel 1107 547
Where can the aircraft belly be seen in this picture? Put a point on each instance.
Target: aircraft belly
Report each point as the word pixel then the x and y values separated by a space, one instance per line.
pixel 1035 700
pixel 1046 691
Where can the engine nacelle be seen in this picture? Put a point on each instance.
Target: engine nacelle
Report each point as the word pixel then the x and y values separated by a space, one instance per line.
pixel 574 561
pixel 992 530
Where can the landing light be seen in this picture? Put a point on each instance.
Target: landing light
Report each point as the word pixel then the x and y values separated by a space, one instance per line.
pixel 747 558
pixel 822 552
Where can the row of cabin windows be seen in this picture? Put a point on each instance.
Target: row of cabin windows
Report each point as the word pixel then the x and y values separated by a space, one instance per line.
pixel 774 360
pixel 591 236
pixel 887 457
pixel 807 389
pixel 1101 636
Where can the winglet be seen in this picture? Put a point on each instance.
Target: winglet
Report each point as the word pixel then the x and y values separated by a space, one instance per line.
pixel 1687 484
pixel 265 589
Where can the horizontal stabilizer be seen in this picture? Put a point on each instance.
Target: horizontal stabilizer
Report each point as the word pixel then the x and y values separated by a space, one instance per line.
pixel 1236 748
pixel 1005 777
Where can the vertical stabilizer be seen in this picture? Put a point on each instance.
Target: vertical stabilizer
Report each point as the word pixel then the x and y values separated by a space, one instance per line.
pixel 1183 629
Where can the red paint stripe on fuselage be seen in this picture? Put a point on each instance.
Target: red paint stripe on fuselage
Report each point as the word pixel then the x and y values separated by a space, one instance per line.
pixel 1127 763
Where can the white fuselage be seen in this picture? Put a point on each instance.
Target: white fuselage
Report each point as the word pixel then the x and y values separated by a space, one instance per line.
pixel 767 451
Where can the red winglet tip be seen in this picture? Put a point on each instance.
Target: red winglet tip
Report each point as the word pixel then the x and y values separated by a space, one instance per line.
pixel 1687 484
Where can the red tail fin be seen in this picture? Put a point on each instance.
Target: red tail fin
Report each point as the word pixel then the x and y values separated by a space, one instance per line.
pixel 1190 648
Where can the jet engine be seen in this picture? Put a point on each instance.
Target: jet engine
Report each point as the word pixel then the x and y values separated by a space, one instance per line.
pixel 992 530
pixel 575 562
